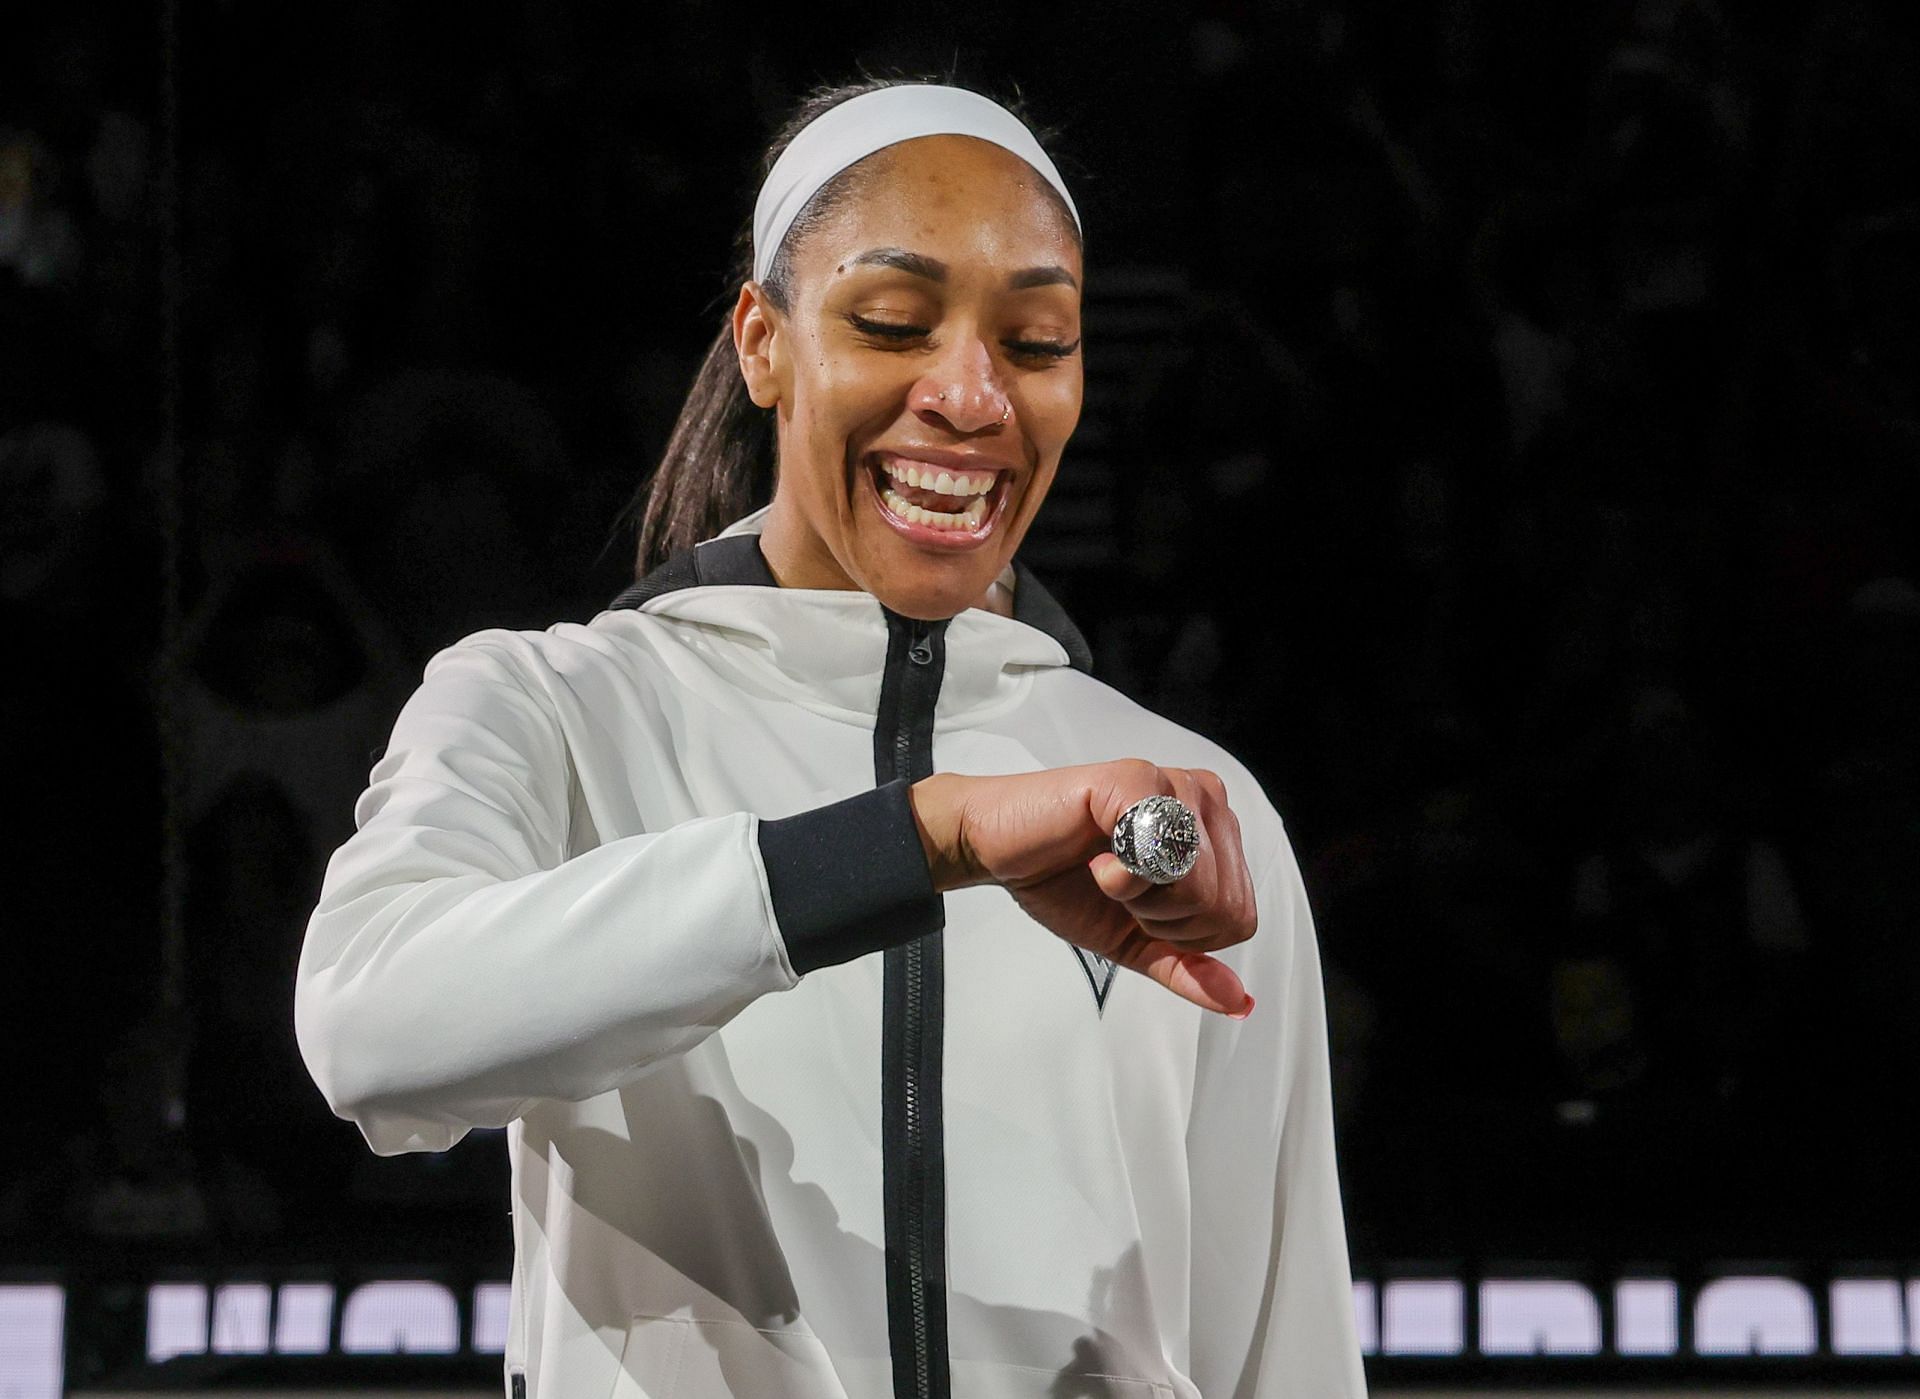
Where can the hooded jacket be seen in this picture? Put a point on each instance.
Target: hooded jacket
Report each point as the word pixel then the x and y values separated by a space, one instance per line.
pixel 647 892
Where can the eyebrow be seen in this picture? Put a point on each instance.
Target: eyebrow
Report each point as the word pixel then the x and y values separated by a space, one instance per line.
pixel 934 270
pixel 1051 275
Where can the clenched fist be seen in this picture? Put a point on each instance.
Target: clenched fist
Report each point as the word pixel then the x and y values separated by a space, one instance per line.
pixel 1046 838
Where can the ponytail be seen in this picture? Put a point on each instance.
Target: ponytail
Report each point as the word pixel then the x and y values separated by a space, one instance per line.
pixel 718 464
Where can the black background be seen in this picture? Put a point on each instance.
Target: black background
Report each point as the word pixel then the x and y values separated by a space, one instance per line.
pixel 1521 398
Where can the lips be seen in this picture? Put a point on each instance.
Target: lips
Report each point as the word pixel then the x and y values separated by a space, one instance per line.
pixel 940 529
pixel 946 460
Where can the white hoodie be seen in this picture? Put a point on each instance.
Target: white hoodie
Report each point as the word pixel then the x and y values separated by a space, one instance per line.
pixel 784 1122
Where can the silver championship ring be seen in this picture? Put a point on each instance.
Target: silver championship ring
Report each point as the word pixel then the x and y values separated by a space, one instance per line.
pixel 1157 838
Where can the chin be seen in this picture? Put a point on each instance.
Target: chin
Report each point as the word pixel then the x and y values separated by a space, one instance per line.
pixel 930 589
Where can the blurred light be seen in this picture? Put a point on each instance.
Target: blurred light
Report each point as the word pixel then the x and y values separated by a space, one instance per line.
pixel 1737 1315
pixel 1754 1316
pixel 305 1317
pixel 240 1318
pixel 176 1320
pixel 1525 1316
pixel 1576 1112
pixel 1646 1317
pixel 1366 1317
pixel 1866 1317
pixel 492 1305
pixel 32 1340
pixel 400 1318
pixel 1424 1317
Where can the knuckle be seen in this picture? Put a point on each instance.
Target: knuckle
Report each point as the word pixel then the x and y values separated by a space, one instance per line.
pixel 1220 941
pixel 1213 881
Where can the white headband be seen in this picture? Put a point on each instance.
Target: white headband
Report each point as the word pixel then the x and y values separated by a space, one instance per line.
pixel 862 125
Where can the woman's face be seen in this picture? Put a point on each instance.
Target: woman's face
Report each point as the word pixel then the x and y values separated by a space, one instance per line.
pixel 934 328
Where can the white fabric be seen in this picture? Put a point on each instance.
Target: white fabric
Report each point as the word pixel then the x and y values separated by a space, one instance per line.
pixel 553 917
pixel 856 128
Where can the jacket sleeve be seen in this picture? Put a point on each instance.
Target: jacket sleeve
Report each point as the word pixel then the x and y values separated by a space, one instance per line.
pixel 459 967
pixel 1272 1290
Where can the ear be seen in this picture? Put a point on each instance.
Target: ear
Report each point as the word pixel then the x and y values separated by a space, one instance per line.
pixel 760 342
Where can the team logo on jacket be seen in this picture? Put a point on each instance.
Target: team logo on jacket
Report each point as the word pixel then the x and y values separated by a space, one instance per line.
pixel 1099 972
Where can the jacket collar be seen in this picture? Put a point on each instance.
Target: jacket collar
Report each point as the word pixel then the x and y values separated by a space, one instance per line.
pixel 827 647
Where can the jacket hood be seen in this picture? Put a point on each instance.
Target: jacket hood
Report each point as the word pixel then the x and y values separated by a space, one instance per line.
pixel 826 648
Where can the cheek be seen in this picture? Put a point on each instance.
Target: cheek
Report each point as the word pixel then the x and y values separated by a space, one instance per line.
pixel 844 404
pixel 1052 408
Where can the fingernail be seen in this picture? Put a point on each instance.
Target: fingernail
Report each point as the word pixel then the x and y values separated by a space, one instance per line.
pixel 1244 1011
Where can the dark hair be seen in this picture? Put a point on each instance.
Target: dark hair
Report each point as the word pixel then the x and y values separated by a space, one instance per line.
pixel 719 460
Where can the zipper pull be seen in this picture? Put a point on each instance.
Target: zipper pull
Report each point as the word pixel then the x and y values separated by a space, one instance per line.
pixel 921 652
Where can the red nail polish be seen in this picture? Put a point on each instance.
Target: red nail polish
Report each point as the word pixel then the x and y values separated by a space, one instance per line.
pixel 1244 1011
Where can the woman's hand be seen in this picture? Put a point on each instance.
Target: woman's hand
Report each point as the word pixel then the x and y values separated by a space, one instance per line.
pixel 1046 837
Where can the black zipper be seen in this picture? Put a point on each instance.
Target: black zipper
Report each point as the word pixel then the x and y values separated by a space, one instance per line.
pixel 913 1157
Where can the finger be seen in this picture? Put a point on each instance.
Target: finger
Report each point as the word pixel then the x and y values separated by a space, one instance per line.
pixel 1231 910
pixel 1206 981
pixel 1116 881
pixel 1246 907
pixel 1195 894
pixel 1119 785
pixel 1199 889
pixel 1130 891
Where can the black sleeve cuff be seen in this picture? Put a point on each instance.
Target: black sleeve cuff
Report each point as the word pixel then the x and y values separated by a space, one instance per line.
pixel 850 878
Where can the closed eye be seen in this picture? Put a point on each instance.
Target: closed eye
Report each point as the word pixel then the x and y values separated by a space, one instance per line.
pixel 1044 349
pixel 889 330
pixel 886 330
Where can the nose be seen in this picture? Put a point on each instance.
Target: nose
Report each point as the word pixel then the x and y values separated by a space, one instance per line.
pixel 961 389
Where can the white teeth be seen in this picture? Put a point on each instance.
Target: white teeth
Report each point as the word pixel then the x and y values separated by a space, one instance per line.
pixel 946 483
pixel 969 518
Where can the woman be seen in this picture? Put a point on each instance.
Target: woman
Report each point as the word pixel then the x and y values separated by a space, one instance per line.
pixel 617 886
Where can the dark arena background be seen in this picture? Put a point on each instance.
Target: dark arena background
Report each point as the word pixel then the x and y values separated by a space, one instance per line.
pixel 1523 398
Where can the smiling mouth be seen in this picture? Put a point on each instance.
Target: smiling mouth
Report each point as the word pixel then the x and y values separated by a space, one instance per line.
pixel 935 504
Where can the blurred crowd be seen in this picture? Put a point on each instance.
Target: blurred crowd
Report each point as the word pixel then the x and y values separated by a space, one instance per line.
pixel 1533 454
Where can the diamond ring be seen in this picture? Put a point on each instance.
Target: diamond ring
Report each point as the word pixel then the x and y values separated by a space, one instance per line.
pixel 1157 838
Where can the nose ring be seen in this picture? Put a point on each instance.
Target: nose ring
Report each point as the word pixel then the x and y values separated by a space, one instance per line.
pixel 1005 413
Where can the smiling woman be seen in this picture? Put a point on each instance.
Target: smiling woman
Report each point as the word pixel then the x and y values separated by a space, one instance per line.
pixel 763 908
pixel 917 311
pixel 932 326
